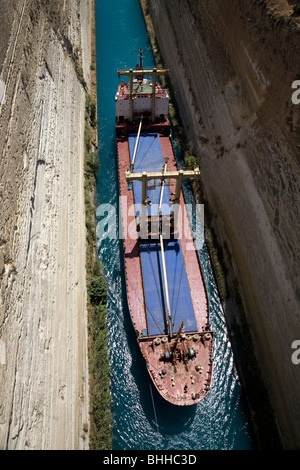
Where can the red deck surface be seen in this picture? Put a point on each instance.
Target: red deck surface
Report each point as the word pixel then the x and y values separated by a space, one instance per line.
pixel 183 378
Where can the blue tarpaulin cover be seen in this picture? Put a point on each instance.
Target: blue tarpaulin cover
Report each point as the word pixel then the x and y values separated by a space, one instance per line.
pixel 179 292
pixel 149 158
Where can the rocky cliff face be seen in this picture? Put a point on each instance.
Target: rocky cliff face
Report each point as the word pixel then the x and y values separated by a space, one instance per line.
pixel 45 64
pixel 232 65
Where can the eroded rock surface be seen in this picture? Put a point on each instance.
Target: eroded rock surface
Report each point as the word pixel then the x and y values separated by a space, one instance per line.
pixel 232 65
pixel 45 64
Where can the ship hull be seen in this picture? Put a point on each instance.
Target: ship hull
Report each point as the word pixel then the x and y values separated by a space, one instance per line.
pixel 180 365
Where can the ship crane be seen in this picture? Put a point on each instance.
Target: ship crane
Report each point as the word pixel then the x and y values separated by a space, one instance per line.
pixel 136 143
pixel 145 176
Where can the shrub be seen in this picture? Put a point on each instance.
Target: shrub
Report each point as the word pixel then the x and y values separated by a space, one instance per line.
pixel 97 286
pixel 101 418
pixel 87 137
pixel 90 108
pixel 297 8
pixel 92 162
pixel 190 161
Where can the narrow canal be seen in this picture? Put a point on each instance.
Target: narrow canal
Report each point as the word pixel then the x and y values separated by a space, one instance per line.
pixel 143 420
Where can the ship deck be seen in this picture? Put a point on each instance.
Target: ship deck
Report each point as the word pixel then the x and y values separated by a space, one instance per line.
pixel 149 157
pixel 179 365
pixel 145 289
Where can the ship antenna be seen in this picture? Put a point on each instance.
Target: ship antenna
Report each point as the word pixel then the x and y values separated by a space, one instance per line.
pixel 141 57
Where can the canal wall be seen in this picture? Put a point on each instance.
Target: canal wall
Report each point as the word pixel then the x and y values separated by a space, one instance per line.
pixel 232 68
pixel 45 59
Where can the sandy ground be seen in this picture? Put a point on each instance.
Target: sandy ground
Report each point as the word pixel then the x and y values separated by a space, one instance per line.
pixel 43 319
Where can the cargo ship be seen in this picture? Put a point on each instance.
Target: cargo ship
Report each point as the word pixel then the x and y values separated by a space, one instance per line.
pixel 166 292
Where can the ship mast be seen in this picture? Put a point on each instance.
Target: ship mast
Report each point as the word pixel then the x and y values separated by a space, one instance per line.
pixel 144 177
pixel 141 58
pixel 169 316
pixel 136 143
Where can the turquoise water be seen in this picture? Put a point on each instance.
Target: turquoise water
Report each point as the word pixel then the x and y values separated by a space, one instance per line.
pixel 143 420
